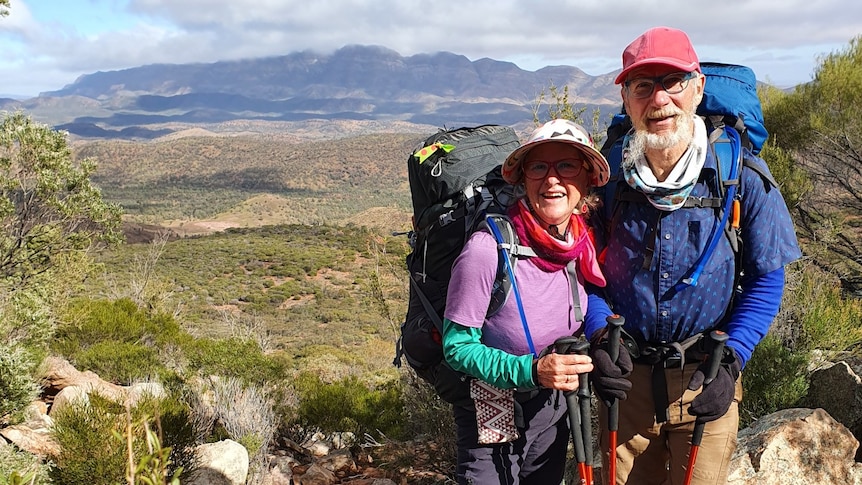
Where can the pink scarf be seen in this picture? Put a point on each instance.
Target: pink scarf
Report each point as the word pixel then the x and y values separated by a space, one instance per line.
pixel 554 254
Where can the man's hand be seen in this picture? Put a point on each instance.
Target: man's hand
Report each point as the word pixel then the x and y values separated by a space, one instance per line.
pixel 716 397
pixel 610 380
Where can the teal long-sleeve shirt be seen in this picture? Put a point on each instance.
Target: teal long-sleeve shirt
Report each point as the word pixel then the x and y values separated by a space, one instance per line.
pixel 464 351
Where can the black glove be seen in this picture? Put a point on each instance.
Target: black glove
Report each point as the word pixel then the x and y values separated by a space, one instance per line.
pixel 610 380
pixel 714 401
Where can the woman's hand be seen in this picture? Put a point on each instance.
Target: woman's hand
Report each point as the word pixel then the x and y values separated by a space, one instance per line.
pixel 560 371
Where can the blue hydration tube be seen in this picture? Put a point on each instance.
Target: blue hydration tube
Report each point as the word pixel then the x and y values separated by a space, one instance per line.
pixel 505 255
pixel 728 203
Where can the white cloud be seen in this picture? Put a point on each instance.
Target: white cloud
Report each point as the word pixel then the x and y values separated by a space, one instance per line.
pixel 779 38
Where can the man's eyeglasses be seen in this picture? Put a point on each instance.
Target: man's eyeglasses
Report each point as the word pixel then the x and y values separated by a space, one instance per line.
pixel 643 87
pixel 567 167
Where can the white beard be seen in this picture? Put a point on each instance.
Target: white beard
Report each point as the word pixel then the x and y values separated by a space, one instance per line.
pixel 644 140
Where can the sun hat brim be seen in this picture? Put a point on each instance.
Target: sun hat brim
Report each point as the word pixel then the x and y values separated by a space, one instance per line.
pixel 558 131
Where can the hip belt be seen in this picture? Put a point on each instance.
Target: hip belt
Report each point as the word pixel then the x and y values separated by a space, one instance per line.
pixel 674 355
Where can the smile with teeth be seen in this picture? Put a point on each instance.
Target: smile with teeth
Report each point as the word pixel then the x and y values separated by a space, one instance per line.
pixel 661 115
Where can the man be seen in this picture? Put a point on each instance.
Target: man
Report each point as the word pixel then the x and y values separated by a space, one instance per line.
pixel 648 249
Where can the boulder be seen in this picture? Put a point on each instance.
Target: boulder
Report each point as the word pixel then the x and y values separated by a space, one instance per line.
pixel 795 447
pixel 68 385
pixel 58 374
pixel 837 389
pixel 69 396
pixel 221 463
pixel 34 434
pixel 316 475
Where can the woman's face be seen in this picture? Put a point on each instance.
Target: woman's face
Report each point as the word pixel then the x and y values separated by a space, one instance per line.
pixel 555 196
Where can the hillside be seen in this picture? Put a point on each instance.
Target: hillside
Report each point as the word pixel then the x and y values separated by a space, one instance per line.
pixel 196 184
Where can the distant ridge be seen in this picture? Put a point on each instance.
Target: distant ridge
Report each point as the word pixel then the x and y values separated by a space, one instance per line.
pixel 353 83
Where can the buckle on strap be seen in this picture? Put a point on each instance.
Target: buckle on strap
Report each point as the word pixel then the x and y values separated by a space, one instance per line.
pixel 673 354
pixel 446 218
pixel 668 356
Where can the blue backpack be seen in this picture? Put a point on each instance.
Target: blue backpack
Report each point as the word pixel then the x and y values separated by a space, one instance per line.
pixel 734 123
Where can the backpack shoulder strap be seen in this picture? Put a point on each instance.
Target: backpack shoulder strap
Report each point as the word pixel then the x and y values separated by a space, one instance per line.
pixel 510 240
pixel 502 283
pixel 722 151
pixel 510 270
pixel 728 165
pixel 760 169
pixel 728 151
pixel 612 149
pixel 572 274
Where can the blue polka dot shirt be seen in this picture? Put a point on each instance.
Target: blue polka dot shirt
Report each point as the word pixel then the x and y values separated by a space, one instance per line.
pixel 642 289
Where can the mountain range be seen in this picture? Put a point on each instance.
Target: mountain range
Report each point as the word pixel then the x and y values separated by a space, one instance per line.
pixel 354 83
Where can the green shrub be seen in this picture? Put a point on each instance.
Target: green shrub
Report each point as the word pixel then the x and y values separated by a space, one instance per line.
pixel 90 453
pixel 92 439
pixel 829 321
pixel 791 177
pixel 153 468
pixel 27 316
pixel 814 316
pixel 349 405
pixel 122 363
pixel 17 386
pixel 775 378
pixel 234 357
pixel 119 321
pixel 21 467
pixel 118 340
pixel 173 421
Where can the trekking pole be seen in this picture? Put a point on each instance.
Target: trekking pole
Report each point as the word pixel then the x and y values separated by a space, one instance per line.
pixel 615 325
pixel 719 338
pixel 573 345
pixel 582 348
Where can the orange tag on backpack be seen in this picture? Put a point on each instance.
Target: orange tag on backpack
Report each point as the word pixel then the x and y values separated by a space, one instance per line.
pixel 735 214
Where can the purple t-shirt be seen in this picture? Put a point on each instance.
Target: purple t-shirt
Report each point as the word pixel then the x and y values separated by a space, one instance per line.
pixel 547 299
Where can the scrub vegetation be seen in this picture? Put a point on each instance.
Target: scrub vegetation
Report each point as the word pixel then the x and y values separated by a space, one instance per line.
pixel 289 316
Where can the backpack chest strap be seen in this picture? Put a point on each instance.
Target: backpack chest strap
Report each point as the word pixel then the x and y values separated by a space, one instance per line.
pixel 517 250
pixel 690 202
pixel 703 202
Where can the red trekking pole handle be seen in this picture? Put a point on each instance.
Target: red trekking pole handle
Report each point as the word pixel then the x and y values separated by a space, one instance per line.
pixel 719 339
pixel 615 325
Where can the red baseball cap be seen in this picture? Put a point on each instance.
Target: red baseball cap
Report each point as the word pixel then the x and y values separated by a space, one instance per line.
pixel 659 45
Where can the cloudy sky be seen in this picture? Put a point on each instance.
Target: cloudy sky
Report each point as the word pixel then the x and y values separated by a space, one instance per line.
pixel 47 44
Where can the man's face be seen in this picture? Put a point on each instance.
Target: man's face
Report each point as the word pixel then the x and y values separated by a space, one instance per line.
pixel 662 115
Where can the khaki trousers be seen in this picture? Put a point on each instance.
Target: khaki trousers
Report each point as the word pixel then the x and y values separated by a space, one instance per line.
pixel 651 453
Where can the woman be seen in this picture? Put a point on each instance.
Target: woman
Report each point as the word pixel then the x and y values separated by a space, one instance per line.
pixel 554 170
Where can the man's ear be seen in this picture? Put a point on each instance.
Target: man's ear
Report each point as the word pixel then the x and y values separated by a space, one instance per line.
pixel 699 87
pixel 701 83
pixel 623 96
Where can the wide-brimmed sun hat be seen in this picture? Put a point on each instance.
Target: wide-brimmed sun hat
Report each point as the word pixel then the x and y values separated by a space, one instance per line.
pixel 558 131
